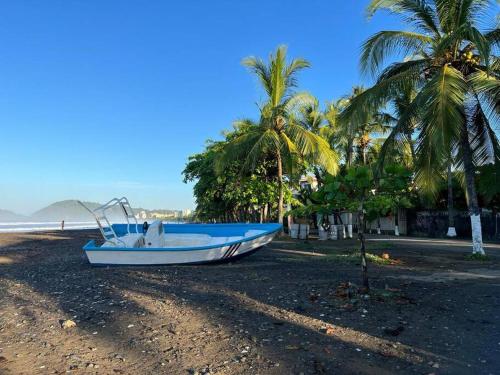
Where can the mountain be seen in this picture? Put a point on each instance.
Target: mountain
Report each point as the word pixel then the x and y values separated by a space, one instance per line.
pixel 71 211
pixel 7 216
pixel 68 210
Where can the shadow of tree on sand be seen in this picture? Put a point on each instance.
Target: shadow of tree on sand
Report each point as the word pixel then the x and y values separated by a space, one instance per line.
pixel 263 314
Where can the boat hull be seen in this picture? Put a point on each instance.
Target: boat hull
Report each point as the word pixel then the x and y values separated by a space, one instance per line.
pixel 102 256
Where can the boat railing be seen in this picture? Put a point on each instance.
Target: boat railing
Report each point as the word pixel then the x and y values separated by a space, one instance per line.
pixel 103 222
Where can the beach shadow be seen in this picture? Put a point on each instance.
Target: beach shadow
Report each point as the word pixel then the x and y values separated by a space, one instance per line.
pixel 161 319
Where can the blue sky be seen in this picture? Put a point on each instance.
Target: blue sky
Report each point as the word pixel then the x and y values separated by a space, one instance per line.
pixel 108 98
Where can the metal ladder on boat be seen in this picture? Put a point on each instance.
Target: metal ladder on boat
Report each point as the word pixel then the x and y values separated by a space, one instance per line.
pixel 104 224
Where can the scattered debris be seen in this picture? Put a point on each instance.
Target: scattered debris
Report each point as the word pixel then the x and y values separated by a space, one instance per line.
pixel 67 324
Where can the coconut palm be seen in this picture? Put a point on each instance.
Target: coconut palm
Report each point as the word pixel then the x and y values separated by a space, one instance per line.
pixel 399 143
pixel 357 133
pixel 280 132
pixel 449 60
pixel 331 128
pixel 312 117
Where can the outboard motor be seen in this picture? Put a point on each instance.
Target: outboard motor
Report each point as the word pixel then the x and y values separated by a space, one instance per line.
pixel 145 227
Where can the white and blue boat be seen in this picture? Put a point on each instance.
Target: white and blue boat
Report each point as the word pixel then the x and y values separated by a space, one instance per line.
pixel 131 243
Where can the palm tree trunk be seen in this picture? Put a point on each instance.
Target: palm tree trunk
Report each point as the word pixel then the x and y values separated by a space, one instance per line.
pixel 412 147
pixel 451 220
pixel 470 185
pixel 280 186
pixel 361 236
pixel 349 154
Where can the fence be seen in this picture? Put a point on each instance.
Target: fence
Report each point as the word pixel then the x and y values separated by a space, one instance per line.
pixel 435 224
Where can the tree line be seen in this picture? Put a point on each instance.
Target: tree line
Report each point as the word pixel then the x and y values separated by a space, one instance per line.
pixel 423 131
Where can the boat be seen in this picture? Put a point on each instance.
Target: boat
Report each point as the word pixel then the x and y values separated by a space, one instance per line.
pixel 158 243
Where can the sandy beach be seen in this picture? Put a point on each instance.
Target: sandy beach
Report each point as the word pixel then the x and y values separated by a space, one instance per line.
pixel 287 309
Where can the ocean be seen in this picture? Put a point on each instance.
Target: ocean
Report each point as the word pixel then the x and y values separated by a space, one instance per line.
pixel 33 226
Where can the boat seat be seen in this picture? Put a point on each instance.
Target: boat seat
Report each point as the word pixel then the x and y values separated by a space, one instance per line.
pixel 154 236
pixel 130 240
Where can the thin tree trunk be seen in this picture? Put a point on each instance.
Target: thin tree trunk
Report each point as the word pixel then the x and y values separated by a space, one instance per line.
pixel 317 174
pixel 280 187
pixel 361 236
pixel 396 222
pixel 451 212
pixel 494 213
pixel 470 184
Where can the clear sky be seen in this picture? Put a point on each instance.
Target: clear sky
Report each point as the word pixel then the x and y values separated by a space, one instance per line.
pixel 108 98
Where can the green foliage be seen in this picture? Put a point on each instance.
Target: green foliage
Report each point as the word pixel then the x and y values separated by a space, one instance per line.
pixel 283 130
pixel 231 196
pixel 395 139
pixel 450 66
pixel 358 187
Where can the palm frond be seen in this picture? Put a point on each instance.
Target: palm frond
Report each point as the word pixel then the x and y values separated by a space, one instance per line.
pixel 385 44
pixel 313 147
pixel 277 66
pixel 488 89
pixel 484 142
pixel 393 80
pixel 416 12
pixel 493 37
pixel 292 69
pixel 441 102
pixel 294 104
pixel 237 149
pixel 399 137
pixel 259 67
pixel 267 142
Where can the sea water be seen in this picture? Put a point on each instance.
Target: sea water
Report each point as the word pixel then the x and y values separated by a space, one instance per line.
pixel 33 226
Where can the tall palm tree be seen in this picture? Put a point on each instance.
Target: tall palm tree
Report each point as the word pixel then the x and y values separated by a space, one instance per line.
pixel 449 60
pixel 279 132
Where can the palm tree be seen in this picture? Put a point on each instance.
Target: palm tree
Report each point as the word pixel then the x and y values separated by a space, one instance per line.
pixel 449 60
pixel 356 134
pixel 399 143
pixel 280 131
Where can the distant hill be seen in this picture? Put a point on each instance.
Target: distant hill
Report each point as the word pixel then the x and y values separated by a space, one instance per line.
pixel 7 216
pixel 68 210
pixel 71 210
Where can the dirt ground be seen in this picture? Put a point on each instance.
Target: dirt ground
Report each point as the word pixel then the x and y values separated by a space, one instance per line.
pixel 287 309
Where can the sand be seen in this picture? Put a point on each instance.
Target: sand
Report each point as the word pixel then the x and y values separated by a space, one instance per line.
pixel 287 309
